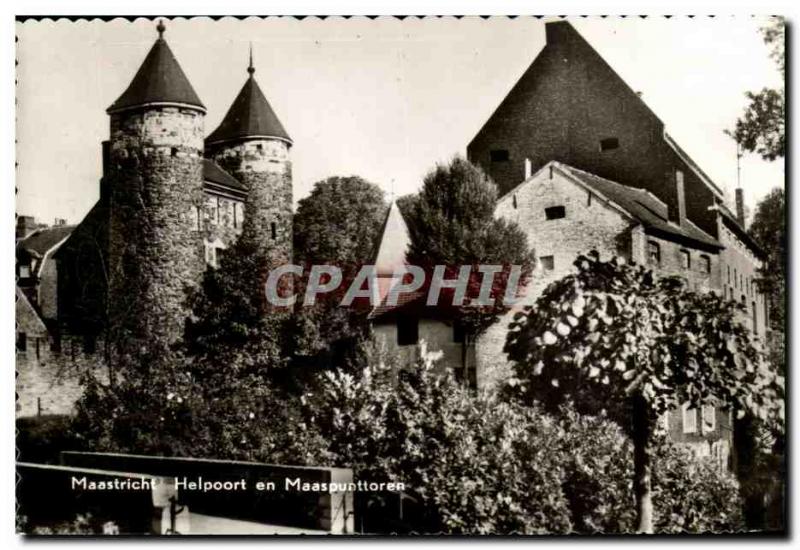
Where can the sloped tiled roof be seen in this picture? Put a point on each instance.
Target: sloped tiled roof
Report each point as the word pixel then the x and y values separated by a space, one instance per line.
pixel 250 115
pixel 214 173
pixel 160 79
pixel 643 206
pixel 42 240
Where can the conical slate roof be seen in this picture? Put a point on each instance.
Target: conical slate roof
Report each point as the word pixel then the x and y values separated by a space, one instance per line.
pixel 250 116
pixel 160 79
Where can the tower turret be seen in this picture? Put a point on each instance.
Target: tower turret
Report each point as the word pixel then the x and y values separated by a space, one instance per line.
pixel 155 178
pixel 251 144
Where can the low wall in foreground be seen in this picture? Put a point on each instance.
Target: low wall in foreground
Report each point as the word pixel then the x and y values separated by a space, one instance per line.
pixel 273 494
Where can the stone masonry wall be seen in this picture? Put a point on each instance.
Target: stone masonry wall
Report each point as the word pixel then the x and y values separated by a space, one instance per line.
pixel 588 224
pixel 156 180
pixel 265 168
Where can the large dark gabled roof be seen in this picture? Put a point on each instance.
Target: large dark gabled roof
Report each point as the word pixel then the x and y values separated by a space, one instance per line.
pixel 645 207
pixel 160 79
pixel 250 116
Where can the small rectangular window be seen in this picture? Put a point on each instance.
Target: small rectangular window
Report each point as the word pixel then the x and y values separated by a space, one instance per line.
pixel 555 212
pixel 709 418
pixel 407 331
pixel 24 271
pixel 499 155
pixel 608 144
pixel 686 259
pixel 458 332
pixel 705 264
pixel 653 253
pixel 22 341
pixel 547 262
pixel 689 419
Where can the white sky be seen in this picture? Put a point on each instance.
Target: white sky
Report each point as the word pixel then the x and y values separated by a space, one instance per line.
pixel 384 99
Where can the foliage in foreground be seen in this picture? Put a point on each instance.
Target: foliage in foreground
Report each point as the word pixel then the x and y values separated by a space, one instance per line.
pixel 476 464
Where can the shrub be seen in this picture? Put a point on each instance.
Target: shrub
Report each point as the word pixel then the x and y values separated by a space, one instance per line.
pixel 42 438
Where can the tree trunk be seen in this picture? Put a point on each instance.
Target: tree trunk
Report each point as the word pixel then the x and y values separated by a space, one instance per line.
pixel 641 464
pixel 464 360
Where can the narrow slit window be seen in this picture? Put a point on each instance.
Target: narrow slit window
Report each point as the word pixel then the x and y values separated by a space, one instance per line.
pixel 689 419
pixel 686 259
pixel 407 331
pixel 273 228
pixel 653 253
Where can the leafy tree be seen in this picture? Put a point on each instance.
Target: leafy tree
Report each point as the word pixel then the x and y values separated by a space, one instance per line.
pixel 338 223
pixel 474 463
pixel 761 129
pixel 612 337
pixel 451 222
pixel 769 231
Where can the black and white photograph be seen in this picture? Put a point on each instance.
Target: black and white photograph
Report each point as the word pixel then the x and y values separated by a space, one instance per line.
pixel 389 275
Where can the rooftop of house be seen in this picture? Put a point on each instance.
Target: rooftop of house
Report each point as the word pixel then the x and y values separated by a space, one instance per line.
pixel 645 207
pixel 41 241
pixel 212 172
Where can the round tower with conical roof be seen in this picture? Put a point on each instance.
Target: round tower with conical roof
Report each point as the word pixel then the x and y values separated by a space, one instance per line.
pixel 252 144
pixel 155 169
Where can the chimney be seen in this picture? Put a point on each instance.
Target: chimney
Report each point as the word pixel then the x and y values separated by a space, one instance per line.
pixel 558 32
pixel 25 226
pixel 680 194
pixel 740 205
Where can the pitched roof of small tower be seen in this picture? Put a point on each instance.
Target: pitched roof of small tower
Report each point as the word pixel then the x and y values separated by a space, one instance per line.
pixel 160 79
pixel 250 115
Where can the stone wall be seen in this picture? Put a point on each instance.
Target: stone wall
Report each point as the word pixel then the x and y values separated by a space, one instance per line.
pixel 156 178
pixel 438 336
pixel 49 375
pixel 265 168
pixel 588 224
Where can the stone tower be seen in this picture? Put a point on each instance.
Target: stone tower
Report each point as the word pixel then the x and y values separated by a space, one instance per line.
pixel 252 145
pixel 155 165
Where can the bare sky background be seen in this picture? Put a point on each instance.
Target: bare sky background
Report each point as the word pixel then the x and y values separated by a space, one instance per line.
pixel 384 99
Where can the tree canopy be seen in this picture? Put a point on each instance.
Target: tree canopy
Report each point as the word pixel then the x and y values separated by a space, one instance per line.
pixel 613 337
pixel 339 221
pixel 761 128
pixel 769 231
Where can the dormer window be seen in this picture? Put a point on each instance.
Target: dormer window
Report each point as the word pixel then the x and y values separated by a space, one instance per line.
pixel 499 155
pixel 609 144
pixel 555 212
